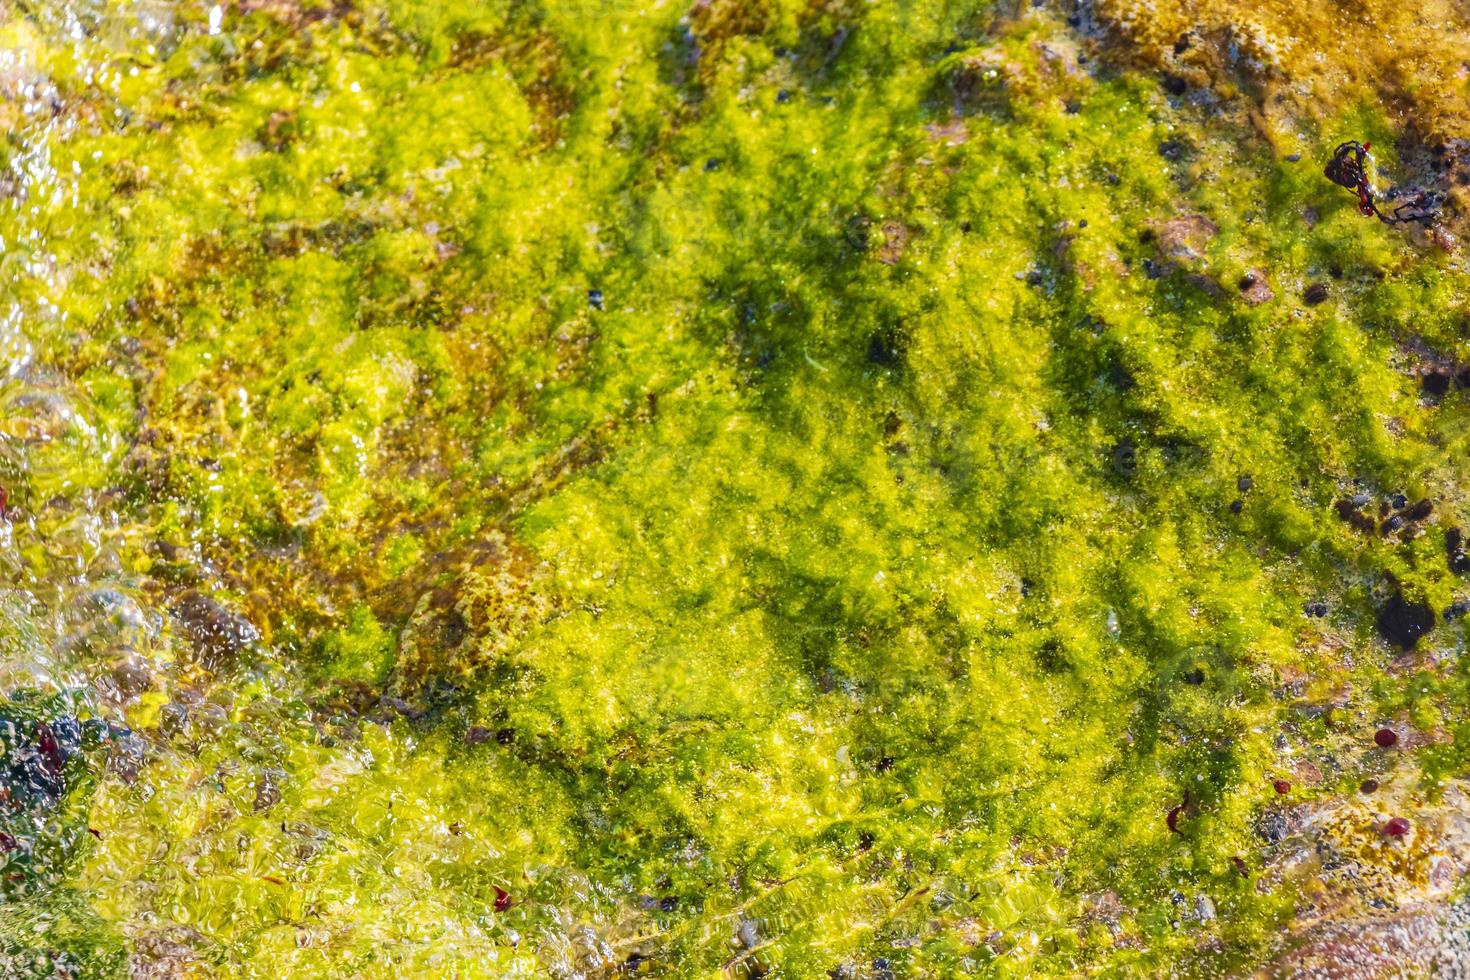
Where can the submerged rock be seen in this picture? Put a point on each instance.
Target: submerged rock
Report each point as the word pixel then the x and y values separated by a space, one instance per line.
pixel 1403 623
pixel 217 635
pixel 50 764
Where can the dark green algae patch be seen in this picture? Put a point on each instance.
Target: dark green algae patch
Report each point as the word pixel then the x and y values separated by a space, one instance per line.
pixel 763 489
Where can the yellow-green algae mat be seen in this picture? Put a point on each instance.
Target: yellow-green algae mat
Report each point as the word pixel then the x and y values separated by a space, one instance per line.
pixel 787 488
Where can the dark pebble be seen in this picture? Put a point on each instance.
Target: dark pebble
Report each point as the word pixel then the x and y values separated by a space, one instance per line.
pixel 1402 623
pixel 268 789
pixel 1398 501
pixel 1393 524
pixel 126 754
pixel 1173 150
pixel 217 635
pixel 1385 738
pixel 1274 826
pixel 1454 549
pixel 132 677
pixel 783 96
pixel 1368 786
pixel 1347 510
pixel 1294 158
pixel 594 298
pixel 1244 484
pixel 884 349
pixel 1436 382
pixel 1316 609
pixel 1125 458
pixel 1316 293
pixel 173 720
pixel 1236 506
pixel 711 164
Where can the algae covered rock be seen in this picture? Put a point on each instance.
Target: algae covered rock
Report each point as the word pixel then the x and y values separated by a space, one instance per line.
pixel 50 768
pixel 729 487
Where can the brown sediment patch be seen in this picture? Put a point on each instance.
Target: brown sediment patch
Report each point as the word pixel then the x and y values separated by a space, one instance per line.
pixel 1308 57
pixel 1374 904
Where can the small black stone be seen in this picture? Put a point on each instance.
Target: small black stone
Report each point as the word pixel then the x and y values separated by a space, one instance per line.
pixel 594 298
pixel 711 164
pixel 1244 484
pixel 1173 150
pixel 1436 382
pixel 1125 458
pixel 1402 623
pixel 783 96
pixel 1398 501
pixel 1317 610
pixel 1316 293
pixel 1236 506
pixel 1393 524
pixel 1294 158
pixel 1454 549
pixel 885 349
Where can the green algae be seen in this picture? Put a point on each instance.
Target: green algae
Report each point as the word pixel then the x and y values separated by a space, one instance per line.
pixel 855 582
